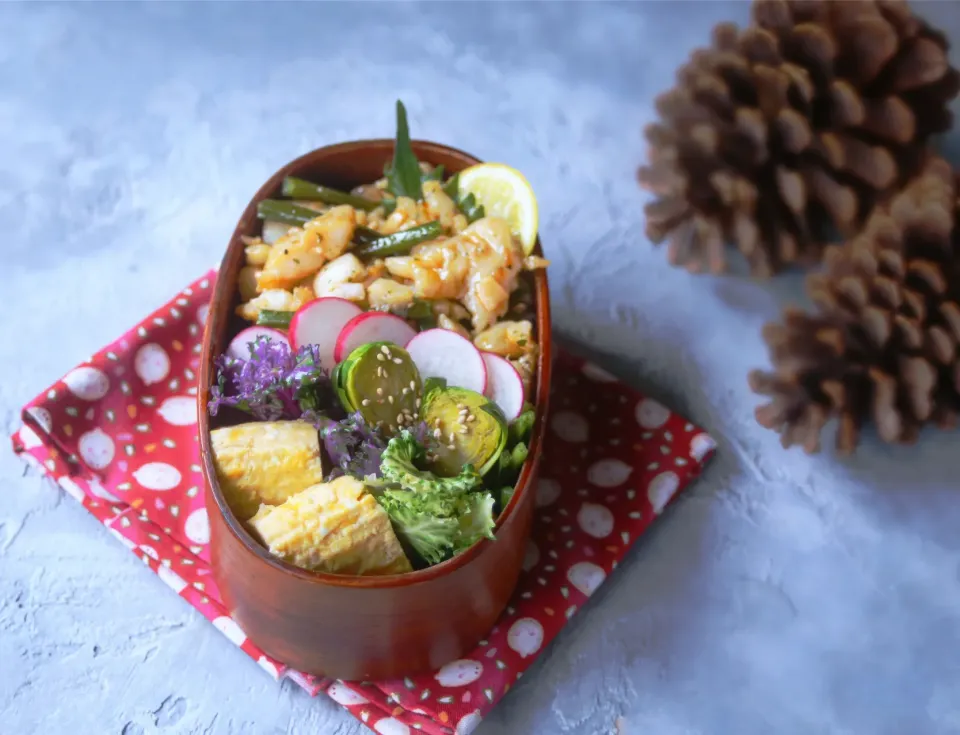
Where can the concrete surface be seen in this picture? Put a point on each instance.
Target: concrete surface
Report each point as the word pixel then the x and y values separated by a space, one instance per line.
pixel 783 594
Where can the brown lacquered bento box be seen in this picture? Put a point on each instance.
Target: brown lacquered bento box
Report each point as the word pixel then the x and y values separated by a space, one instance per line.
pixel 348 627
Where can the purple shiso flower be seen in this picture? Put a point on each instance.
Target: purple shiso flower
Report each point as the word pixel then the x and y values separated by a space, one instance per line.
pixel 355 447
pixel 274 383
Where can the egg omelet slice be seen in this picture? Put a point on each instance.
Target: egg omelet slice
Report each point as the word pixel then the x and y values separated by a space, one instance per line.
pixel 265 462
pixel 335 527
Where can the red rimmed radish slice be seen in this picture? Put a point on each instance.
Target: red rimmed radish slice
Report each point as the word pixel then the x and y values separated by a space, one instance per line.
pixel 319 322
pixel 239 347
pixel 372 326
pixel 504 385
pixel 440 353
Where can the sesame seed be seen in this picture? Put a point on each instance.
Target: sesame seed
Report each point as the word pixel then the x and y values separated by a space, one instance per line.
pixel 365 402
pixel 471 418
pixel 397 361
pixel 390 400
pixel 404 391
pixel 400 419
pixel 381 358
pixel 385 373
pixel 413 385
pixel 461 407
pixel 451 436
pixel 379 391
pixel 451 446
pixel 418 403
pixel 392 428
pixel 384 349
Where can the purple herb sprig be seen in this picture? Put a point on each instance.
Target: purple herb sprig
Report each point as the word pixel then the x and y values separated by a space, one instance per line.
pixel 355 447
pixel 274 383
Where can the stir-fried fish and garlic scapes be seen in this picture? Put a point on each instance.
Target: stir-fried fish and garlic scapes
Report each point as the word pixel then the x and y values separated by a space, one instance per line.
pixel 386 372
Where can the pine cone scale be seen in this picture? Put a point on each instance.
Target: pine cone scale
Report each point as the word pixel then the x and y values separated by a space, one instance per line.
pixel 843 95
pixel 889 299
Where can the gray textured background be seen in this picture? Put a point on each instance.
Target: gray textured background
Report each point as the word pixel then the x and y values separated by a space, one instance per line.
pixel 783 594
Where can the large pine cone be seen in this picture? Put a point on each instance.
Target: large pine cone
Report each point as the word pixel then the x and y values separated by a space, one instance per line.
pixel 781 135
pixel 885 341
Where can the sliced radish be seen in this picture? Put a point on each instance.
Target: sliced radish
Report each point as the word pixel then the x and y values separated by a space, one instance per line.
pixel 239 347
pixel 372 326
pixel 273 231
pixel 504 385
pixel 319 323
pixel 440 353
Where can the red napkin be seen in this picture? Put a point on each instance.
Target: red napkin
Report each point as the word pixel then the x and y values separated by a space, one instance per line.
pixel 118 433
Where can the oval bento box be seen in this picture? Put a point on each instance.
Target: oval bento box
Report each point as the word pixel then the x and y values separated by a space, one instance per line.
pixel 347 627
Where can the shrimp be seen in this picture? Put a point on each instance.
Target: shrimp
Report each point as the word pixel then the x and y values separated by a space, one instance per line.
pixel 303 251
pixel 478 267
pixel 275 299
pixel 437 205
pixel 507 339
pixel 385 293
pixel 514 341
pixel 342 277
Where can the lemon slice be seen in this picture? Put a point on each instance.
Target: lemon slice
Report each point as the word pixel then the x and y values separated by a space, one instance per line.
pixel 504 192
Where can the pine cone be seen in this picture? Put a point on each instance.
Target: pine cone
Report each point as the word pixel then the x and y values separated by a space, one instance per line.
pixel 780 135
pixel 884 343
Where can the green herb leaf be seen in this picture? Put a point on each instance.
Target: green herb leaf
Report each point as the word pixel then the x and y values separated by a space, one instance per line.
pixel 452 187
pixel 435 175
pixel 403 174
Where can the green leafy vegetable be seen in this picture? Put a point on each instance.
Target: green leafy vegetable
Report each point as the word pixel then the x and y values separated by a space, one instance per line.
pixel 505 494
pixel 403 174
pixel 426 522
pixel 299 189
pixel 278 319
pixel 517 456
pixel 435 516
pixel 400 243
pixel 398 465
pixel 522 426
pixel 476 520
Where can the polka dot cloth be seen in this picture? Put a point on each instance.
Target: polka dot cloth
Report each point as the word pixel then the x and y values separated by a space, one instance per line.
pixel 118 434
